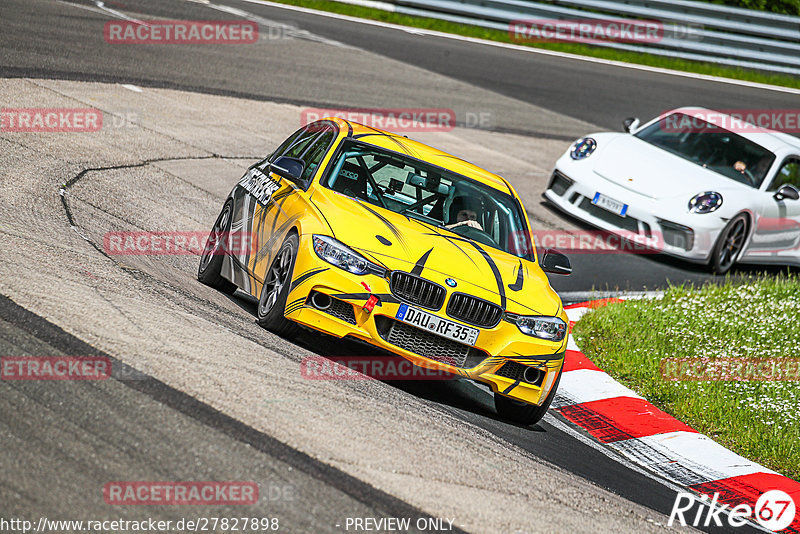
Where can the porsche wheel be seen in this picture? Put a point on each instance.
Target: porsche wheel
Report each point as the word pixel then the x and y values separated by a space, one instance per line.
pixel 522 412
pixel 277 281
pixel 213 255
pixel 730 244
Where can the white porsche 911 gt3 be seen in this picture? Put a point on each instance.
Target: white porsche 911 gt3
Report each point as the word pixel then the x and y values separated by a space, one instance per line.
pixel 688 187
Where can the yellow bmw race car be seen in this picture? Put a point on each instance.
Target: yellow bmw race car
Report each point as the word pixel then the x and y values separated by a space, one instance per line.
pixel 363 233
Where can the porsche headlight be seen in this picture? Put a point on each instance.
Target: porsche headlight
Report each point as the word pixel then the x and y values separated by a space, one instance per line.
pixel 705 202
pixel 543 327
pixel 582 148
pixel 343 256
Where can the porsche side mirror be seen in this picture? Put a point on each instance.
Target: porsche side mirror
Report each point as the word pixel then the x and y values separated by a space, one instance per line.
pixel 289 168
pixel 555 262
pixel 787 191
pixel 630 124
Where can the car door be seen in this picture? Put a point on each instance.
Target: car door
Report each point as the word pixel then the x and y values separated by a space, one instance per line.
pixel 272 220
pixel 777 233
pixel 246 209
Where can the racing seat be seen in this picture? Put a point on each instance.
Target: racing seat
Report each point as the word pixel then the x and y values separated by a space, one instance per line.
pixel 352 181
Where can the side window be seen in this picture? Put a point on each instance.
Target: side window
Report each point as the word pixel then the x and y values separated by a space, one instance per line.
pixel 789 173
pixel 313 156
pixel 285 145
pixel 300 145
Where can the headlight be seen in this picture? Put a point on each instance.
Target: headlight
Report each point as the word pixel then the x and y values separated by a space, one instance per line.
pixel 543 327
pixel 343 256
pixel 582 148
pixel 705 202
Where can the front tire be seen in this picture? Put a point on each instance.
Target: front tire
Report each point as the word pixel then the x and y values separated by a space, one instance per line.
pixel 521 412
pixel 277 282
pixel 729 245
pixel 213 255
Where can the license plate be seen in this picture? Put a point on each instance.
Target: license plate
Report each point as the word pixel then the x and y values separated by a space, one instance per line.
pixel 609 204
pixel 437 325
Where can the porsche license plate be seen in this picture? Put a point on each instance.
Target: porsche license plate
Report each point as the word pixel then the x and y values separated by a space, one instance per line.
pixel 437 325
pixel 609 204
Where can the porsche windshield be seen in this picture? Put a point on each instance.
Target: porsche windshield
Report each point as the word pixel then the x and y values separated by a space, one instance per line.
pixel 430 194
pixel 711 147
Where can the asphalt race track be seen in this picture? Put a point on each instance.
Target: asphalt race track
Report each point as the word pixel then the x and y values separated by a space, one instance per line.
pixel 199 391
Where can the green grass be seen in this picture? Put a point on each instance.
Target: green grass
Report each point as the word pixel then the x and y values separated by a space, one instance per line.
pixel 758 419
pixel 665 62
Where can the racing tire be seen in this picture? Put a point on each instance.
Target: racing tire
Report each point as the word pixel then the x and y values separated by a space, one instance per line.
pixel 275 291
pixel 729 245
pixel 521 412
pixel 208 272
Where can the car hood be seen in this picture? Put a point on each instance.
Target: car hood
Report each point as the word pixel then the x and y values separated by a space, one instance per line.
pixel 403 243
pixel 651 171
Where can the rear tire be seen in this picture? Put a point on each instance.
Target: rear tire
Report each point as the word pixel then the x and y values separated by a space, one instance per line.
pixel 213 255
pixel 277 282
pixel 729 245
pixel 521 412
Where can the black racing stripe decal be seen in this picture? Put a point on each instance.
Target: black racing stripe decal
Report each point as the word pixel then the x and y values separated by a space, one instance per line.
pixel 323 216
pixel 417 270
pixel 264 250
pixel 437 233
pixel 495 271
pixel 388 224
pixel 511 387
pixel 294 306
pixel 452 240
pixel 516 286
pixel 285 193
pixel 303 277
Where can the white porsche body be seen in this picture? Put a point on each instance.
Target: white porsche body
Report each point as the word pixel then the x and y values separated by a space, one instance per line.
pixel 641 191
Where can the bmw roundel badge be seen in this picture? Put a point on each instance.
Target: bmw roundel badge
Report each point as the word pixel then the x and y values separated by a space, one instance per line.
pixel 450 282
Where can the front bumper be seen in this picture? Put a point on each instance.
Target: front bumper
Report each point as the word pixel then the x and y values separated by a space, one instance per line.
pixel 500 355
pixel 652 223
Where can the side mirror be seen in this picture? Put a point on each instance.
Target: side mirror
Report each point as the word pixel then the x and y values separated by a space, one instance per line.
pixel 289 168
pixel 555 262
pixel 787 191
pixel 630 124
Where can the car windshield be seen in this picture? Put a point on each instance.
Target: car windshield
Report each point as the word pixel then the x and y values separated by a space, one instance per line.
pixel 711 147
pixel 429 194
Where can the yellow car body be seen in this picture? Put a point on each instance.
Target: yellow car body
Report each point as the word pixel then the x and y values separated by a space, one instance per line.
pixel 273 207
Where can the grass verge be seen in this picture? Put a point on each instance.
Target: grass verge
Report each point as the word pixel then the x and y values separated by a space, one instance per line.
pixel 759 420
pixel 664 62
